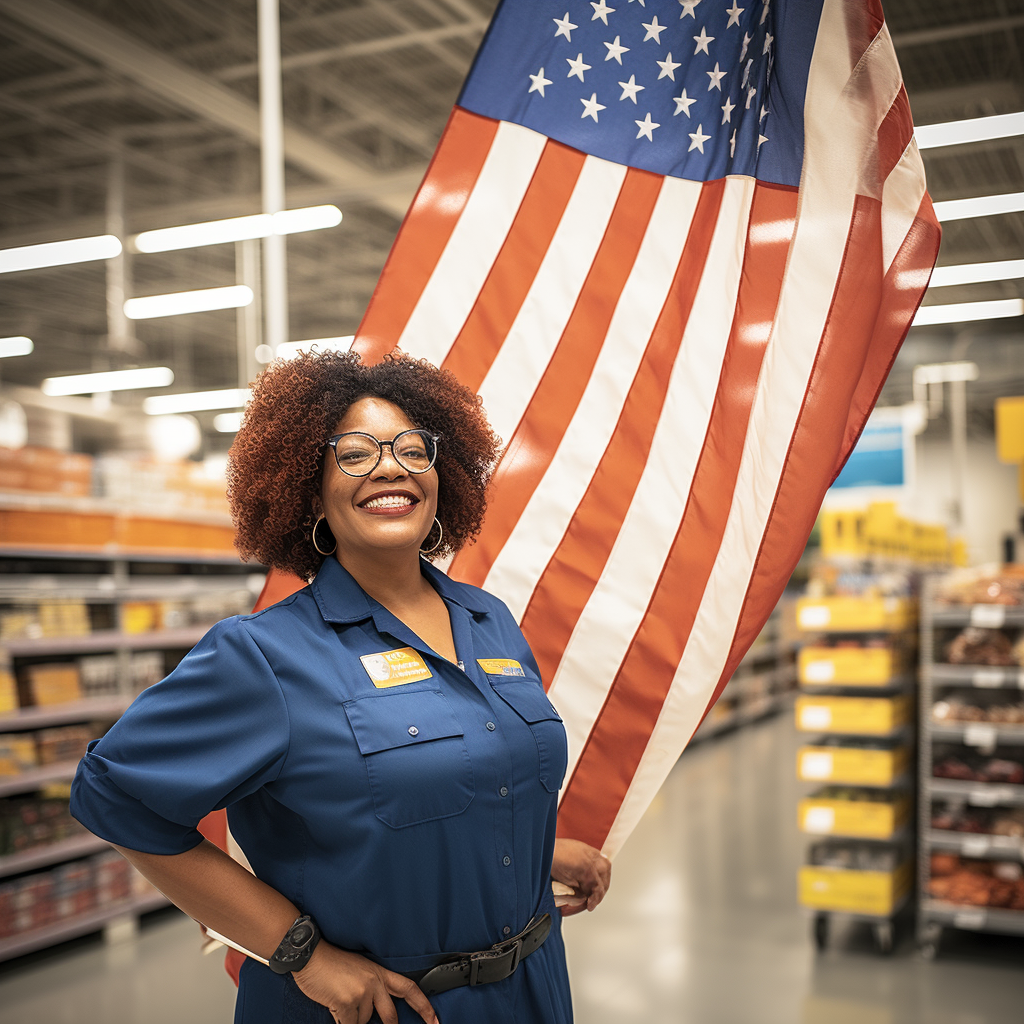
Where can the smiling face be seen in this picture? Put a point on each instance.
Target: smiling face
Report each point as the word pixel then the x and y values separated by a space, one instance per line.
pixel 389 510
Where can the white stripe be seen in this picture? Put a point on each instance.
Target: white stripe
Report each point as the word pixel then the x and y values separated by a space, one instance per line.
pixel 543 523
pixel 829 184
pixel 901 200
pixel 474 244
pixel 619 601
pixel 538 326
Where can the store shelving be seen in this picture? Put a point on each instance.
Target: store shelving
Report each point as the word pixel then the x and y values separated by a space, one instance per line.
pixel 55 853
pixel 35 778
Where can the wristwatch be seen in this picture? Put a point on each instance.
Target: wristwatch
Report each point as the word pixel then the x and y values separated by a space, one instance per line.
pixel 296 947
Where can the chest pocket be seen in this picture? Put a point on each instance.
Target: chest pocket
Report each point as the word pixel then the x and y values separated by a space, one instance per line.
pixel 529 701
pixel 415 755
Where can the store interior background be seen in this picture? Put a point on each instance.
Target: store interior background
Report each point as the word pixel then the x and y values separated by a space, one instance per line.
pixel 126 116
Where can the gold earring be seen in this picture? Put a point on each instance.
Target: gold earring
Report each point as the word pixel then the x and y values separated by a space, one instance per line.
pixel 440 537
pixel 317 546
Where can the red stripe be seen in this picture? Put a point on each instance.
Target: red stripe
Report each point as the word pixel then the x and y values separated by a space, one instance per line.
pixel 634 702
pixel 516 266
pixel 428 225
pixel 553 404
pixel 572 573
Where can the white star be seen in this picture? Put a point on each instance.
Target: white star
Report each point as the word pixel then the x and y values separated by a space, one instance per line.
pixel 716 77
pixel 577 67
pixel 668 67
pixel 747 40
pixel 768 40
pixel 702 42
pixel 763 114
pixel 697 139
pixel 642 4
pixel 764 11
pixel 654 30
pixel 602 10
pixel 727 108
pixel 688 7
pixel 734 13
pixel 615 51
pixel 683 103
pixel 761 140
pixel 732 143
pixel 746 73
pixel 539 81
pixel 591 107
pixel 565 27
pixel 647 127
pixel 630 89
pixel 751 93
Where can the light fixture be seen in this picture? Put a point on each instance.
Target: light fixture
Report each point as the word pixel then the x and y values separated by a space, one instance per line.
pixel 175 303
pixel 291 349
pixel 237 229
pixel 174 437
pixel 59 254
pixel 196 401
pixel 962 312
pixel 980 206
pixel 975 129
pixel 111 380
pixel 977 273
pixel 227 422
pixel 16 346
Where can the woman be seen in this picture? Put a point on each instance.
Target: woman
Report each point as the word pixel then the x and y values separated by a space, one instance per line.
pixel 381 739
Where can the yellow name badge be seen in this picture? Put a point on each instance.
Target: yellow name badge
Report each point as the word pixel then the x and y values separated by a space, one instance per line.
pixel 394 668
pixel 500 666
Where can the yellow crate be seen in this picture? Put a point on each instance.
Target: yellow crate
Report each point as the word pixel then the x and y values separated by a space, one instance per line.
pixel 851 765
pixel 860 818
pixel 842 532
pixel 855 614
pixel 864 716
pixel 848 666
pixel 854 892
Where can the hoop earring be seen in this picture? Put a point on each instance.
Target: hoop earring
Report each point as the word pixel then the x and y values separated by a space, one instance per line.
pixel 317 546
pixel 440 537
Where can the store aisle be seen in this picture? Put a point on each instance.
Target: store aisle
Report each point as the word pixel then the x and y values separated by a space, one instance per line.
pixel 701 927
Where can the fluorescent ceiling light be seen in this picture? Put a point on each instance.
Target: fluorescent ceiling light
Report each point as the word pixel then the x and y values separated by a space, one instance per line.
pixel 961 312
pixel 227 422
pixel 237 229
pixel 976 129
pixel 196 401
pixel 980 206
pixel 113 380
pixel 175 303
pixel 59 254
pixel 18 346
pixel 977 273
pixel 290 349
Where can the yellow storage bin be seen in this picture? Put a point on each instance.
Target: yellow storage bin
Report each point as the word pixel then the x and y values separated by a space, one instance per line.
pixel 854 892
pixel 848 666
pixel 851 765
pixel 852 614
pixel 865 716
pixel 824 814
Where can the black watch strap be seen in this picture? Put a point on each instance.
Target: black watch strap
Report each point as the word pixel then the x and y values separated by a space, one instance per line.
pixel 296 947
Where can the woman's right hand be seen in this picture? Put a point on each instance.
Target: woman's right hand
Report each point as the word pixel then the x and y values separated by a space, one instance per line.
pixel 352 987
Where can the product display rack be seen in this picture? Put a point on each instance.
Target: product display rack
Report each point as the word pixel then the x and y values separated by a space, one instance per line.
pixel 977 738
pixel 856 701
pixel 109 578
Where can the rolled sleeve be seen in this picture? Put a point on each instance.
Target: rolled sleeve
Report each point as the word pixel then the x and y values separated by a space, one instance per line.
pixel 211 733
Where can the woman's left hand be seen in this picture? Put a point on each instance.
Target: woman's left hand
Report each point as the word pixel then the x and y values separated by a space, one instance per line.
pixel 587 870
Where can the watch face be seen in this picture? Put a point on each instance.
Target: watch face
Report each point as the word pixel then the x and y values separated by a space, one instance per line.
pixel 300 935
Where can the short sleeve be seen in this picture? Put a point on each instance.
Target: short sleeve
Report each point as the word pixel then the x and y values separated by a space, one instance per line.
pixel 211 733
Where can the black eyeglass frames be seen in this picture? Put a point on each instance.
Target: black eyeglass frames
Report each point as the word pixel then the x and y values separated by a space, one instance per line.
pixel 359 454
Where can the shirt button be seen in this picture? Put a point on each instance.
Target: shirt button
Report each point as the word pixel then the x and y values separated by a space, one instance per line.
pixel 413 731
pixel 491 727
pixel 506 930
pixel 507 861
pixel 503 791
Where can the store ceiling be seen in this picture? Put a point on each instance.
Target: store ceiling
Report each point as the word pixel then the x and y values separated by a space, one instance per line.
pixel 165 93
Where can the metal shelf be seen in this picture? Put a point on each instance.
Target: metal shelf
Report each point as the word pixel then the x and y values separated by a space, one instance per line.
pixel 977 919
pixel 83 924
pixel 990 616
pixel 107 590
pixel 978 734
pixel 113 553
pixel 55 853
pixel 88 710
pixel 107 640
pixel 978 794
pixel 974 844
pixel 36 778
pixel 978 676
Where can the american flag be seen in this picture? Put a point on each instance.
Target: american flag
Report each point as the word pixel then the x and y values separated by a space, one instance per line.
pixel 675 246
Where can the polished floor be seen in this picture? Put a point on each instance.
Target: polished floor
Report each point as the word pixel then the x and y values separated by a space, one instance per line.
pixel 701 927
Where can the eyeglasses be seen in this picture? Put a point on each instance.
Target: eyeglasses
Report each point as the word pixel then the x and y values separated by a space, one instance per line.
pixel 359 454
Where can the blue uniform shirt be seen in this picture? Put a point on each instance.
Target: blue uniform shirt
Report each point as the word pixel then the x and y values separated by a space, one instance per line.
pixel 411 817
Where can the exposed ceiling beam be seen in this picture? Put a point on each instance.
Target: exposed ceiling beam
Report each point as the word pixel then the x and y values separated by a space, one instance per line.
pixel 191 90
pixel 926 36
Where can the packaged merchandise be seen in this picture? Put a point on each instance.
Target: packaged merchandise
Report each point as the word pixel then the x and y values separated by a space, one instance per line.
pixel 65 743
pixel 98 675
pixel 976 883
pixel 972 706
pixel 46 685
pixel 27 822
pixel 987 585
pixel 976 645
pixel 968 766
pixel 17 753
pixel 958 817
pixel 8 691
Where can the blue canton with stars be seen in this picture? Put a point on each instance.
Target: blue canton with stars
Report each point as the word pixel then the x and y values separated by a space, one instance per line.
pixel 697 89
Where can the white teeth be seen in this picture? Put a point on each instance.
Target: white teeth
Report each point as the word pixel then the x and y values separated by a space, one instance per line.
pixel 389 501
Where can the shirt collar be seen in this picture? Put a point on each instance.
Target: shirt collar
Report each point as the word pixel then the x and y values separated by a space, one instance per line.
pixel 340 599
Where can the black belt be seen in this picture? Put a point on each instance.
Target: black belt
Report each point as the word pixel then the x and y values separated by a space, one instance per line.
pixel 490 965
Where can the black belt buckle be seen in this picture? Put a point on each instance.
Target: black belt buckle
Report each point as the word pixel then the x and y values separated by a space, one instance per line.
pixel 491 958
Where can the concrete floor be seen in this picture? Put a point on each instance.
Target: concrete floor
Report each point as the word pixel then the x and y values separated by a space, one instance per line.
pixel 701 927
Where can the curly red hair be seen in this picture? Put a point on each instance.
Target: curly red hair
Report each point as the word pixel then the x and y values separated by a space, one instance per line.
pixel 276 462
